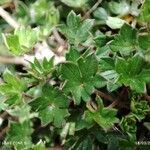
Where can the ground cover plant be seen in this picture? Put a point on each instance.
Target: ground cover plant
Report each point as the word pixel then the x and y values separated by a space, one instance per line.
pixel 74 74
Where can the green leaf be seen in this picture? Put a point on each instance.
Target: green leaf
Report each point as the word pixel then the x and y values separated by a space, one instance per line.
pixel 144 42
pixel 12 88
pixel 134 8
pixel 111 76
pixel 20 133
pixel 106 63
pixel 53 114
pixel 145 12
pixel 3 106
pixel 126 41
pixel 76 30
pixel 135 65
pixel 74 84
pixel 81 78
pixel 100 41
pixel 37 66
pixel 72 128
pixel 70 71
pixel 12 43
pixel 145 76
pixel 22 112
pixel 107 118
pixel 140 109
pixel 101 14
pixel 85 144
pixel 21 41
pixel 122 8
pixel 27 37
pixel 50 96
pixel 88 66
pixel 111 86
pixel 13 98
pixel 72 55
pixel 45 13
pixel 121 66
pixel 48 64
pixel 115 22
pixel 130 67
pixel 75 3
pixel 104 117
pixel 50 105
pixel 129 72
pixel 39 146
pixel 138 85
pixel 127 124
pixel 12 80
pixel 41 68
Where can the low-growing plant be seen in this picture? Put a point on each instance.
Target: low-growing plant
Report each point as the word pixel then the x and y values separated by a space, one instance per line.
pixel 97 96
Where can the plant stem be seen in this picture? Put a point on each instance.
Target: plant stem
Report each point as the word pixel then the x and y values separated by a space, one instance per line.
pixel 92 9
pixel 58 37
pixel 13 60
pixel 7 17
pixel 104 95
pixel 113 104
pixel 3 132
pixel 147 97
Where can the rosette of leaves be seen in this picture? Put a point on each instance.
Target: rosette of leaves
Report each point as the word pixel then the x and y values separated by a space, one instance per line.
pixel 41 68
pixel 130 40
pixel 21 41
pixel 119 61
pixel 128 125
pixel 12 88
pixel 76 30
pixel 50 105
pixel 104 117
pixel 81 77
pixel 126 41
pixel 132 73
pixel 140 109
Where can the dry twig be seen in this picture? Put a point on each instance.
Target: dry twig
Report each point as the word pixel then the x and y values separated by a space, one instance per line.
pixel 3 132
pixel 92 9
pixel 104 95
pixel 147 97
pixel 58 37
pixel 4 115
pixel 13 60
pixel 6 16
pixel 113 104
pixel 55 148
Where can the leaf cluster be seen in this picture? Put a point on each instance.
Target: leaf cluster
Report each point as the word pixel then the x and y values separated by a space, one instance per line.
pixel 98 97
